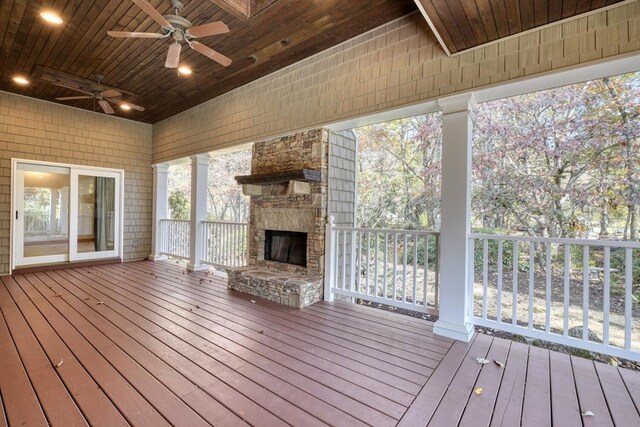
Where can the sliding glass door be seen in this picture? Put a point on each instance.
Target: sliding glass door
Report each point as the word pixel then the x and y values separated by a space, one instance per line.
pixel 65 213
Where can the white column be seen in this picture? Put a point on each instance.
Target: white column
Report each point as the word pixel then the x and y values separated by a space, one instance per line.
pixel 457 126
pixel 55 194
pixel 159 209
pixel 199 170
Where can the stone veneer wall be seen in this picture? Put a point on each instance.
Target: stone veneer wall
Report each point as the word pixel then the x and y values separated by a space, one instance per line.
pixel 294 212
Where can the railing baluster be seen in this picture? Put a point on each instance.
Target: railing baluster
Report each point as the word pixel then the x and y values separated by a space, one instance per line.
pixel 547 322
pixel 404 269
pixel 425 290
pixel 500 267
pixel 567 276
pixel 606 303
pixel 359 261
pixel 485 275
pixel 344 260
pixel 385 291
pixel 514 289
pixel 436 268
pixel 532 254
pixel 585 293
pixel 628 282
pixel 395 266
pixel 375 284
pixel 368 261
pixel 415 268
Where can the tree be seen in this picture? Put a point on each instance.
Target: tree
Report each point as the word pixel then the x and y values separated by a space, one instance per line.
pixel 179 205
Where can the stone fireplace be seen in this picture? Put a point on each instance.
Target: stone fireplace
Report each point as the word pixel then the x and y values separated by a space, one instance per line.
pixel 287 216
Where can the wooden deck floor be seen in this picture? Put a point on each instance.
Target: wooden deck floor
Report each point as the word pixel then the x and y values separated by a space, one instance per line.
pixel 147 344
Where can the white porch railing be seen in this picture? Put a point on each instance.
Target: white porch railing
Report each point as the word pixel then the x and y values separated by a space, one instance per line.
pixel 569 291
pixel 225 243
pixel 394 267
pixel 174 237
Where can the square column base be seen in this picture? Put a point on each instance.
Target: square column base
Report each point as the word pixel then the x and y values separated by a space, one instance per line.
pixel 455 331
pixel 153 257
pixel 197 268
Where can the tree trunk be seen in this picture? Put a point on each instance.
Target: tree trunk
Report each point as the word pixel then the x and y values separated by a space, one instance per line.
pixel 604 223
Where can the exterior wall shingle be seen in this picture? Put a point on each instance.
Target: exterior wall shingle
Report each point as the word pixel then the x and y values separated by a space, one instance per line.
pixel 38 130
pixel 394 65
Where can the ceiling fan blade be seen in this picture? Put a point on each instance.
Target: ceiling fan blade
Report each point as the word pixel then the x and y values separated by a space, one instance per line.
pixel 105 106
pixel 210 29
pixel 154 14
pixel 69 98
pixel 210 53
pixel 173 56
pixel 110 93
pixel 135 34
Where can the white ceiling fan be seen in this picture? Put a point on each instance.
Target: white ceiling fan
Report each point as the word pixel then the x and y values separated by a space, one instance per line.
pixel 179 29
pixel 103 97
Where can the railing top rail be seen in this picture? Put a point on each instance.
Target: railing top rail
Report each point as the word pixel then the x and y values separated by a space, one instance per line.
pixel 225 222
pixel 174 220
pixel 388 230
pixel 567 241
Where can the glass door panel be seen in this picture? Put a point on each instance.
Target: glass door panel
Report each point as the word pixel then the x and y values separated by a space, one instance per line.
pixel 42 213
pixel 97 220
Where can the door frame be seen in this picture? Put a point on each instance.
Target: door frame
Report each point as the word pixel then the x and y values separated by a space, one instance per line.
pixel 99 171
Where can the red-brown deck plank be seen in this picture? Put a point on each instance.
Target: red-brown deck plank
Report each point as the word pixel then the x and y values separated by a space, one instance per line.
pixel 451 407
pixel 590 395
pixel 632 382
pixel 565 410
pixel 391 366
pixel 75 351
pixel 623 411
pixel 536 410
pixel 187 351
pixel 93 402
pixel 425 404
pixel 187 325
pixel 402 353
pixel 508 407
pixel 480 407
pixel 22 405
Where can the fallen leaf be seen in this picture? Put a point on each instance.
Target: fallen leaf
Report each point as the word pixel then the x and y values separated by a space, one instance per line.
pixel 57 295
pixel 482 360
pixel 262 332
pixel 478 391
pixel 253 301
pixel 499 363
pixel 197 306
pixel 100 303
pixel 87 298
pixel 588 414
pixel 57 365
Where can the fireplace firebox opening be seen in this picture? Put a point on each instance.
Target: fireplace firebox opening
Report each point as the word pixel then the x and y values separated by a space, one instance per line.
pixel 286 246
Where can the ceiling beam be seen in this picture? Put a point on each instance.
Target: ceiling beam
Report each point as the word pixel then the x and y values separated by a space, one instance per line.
pixel 421 5
pixel 238 8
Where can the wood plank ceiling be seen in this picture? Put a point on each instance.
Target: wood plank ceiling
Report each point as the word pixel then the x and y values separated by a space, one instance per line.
pixel 276 34
pixel 464 24
pixel 281 33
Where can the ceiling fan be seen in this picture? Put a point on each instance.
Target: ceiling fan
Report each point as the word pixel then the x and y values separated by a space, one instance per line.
pixel 179 29
pixel 102 95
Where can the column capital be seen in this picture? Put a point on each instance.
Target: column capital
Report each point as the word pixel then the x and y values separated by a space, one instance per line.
pixel 160 168
pixel 457 103
pixel 200 159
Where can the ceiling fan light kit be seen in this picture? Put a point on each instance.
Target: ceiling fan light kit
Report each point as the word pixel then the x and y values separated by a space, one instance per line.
pixel 179 29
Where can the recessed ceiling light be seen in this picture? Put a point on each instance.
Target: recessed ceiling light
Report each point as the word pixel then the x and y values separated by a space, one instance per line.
pixel 51 17
pixel 125 107
pixel 21 80
pixel 184 70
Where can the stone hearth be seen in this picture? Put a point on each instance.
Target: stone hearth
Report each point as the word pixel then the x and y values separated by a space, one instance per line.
pixel 298 206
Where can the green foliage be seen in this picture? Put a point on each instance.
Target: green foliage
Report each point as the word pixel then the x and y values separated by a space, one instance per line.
pixel 179 205
pixel 432 254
